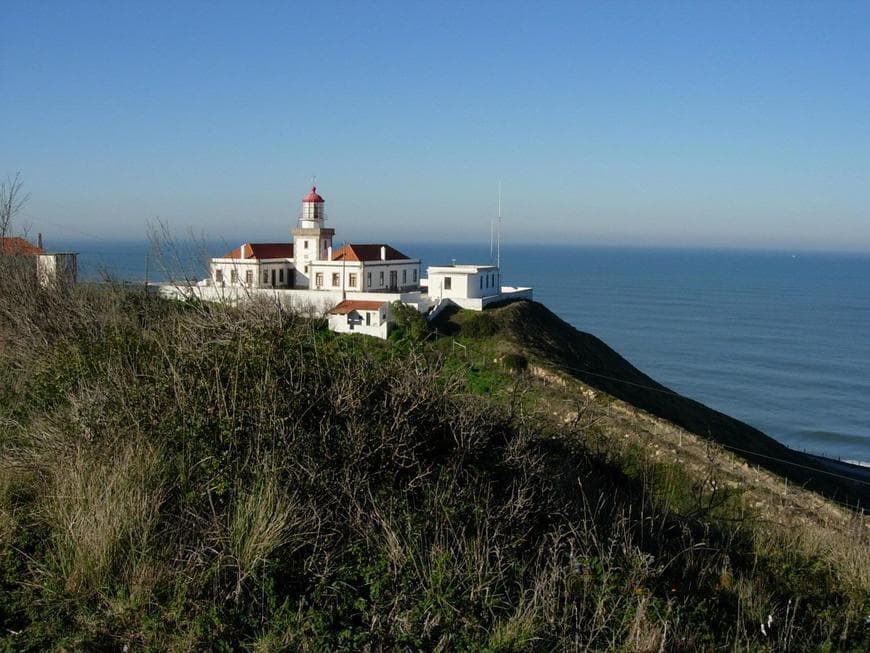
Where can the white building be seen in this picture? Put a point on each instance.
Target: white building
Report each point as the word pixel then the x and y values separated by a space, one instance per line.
pixel 361 316
pixel 255 265
pixel 309 262
pixel 49 268
pixel 353 284
pixel 464 281
pixel 311 239
pixel 469 286
pixel 366 268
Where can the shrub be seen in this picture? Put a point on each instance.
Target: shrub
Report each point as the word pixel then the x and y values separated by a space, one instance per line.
pixel 408 322
pixel 479 325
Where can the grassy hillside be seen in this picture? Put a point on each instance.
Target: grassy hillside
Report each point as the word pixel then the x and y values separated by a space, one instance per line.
pixel 188 477
pixel 534 331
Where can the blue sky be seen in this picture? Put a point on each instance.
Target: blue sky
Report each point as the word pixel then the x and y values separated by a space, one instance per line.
pixel 716 124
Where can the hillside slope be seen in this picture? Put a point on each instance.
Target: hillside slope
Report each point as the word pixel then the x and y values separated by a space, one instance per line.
pixel 190 477
pixel 537 332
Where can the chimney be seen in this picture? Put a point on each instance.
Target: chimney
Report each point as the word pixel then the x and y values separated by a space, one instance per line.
pixel 383 253
pixel 39 240
pixel 329 253
pixel 244 252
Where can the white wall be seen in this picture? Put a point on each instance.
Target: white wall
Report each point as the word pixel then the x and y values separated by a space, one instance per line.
pixel 256 267
pixel 466 281
pixel 59 268
pixel 407 270
pixel 378 326
pixel 307 301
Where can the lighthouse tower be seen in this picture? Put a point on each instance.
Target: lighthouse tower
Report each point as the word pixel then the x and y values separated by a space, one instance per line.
pixel 311 240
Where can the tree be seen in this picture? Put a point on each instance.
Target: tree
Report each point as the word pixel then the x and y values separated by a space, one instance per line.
pixel 11 201
pixel 409 321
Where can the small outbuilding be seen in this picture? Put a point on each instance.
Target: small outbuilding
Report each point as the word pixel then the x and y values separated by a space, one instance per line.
pixel 49 268
pixel 360 316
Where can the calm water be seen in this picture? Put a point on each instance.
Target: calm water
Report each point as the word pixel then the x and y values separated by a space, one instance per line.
pixel 780 340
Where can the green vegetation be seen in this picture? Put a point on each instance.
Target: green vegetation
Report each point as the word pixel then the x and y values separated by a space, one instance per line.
pixel 408 323
pixel 193 477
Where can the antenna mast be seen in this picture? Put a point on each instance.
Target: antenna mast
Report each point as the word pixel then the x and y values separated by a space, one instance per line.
pixel 498 231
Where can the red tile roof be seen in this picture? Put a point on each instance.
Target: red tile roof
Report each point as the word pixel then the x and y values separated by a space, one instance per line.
pixel 313 196
pixel 371 252
pixel 16 245
pixel 349 305
pixel 262 251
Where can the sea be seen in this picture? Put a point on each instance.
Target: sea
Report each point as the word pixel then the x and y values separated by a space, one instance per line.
pixel 777 339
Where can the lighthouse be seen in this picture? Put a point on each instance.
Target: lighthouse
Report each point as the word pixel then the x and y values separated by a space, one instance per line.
pixel 312 241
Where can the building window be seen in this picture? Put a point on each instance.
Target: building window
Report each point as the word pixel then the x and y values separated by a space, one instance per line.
pixel 404 277
pixel 219 276
pixel 281 275
pixel 234 276
pixel 265 276
pixel 368 319
pixel 249 277
pixel 318 279
pixel 481 283
pixel 336 279
pixel 448 283
pixel 368 279
pixel 304 244
pixel 381 277
pixel 352 280
pixel 415 276
pixel 306 269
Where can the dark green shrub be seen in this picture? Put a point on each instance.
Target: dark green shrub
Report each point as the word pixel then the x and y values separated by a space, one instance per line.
pixel 480 325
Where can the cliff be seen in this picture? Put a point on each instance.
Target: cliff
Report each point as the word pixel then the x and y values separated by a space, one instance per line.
pixel 537 332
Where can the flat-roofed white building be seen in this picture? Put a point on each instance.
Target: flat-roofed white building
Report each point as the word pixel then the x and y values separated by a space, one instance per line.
pixel 464 281
pixel 469 286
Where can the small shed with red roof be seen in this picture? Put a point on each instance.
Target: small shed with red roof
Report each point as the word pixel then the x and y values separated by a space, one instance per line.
pixel 48 267
pixel 370 317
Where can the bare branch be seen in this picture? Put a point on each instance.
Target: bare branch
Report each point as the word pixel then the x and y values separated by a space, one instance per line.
pixel 11 202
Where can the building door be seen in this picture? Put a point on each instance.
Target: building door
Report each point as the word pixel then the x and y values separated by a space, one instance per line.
pixel 273 278
pixel 394 279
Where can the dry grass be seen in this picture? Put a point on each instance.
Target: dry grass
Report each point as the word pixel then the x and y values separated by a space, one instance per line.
pixel 102 512
pixel 265 519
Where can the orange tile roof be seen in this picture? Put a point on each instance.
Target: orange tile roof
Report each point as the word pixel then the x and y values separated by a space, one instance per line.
pixel 262 251
pixel 369 252
pixel 349 305
pixel 16 245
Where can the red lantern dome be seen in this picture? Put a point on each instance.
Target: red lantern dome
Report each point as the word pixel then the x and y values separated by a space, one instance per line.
pixel 313 196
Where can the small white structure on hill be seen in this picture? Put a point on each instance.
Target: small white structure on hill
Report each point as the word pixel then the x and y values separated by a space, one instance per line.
pixel 469 286
pixel 461 282
pixel 361 316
